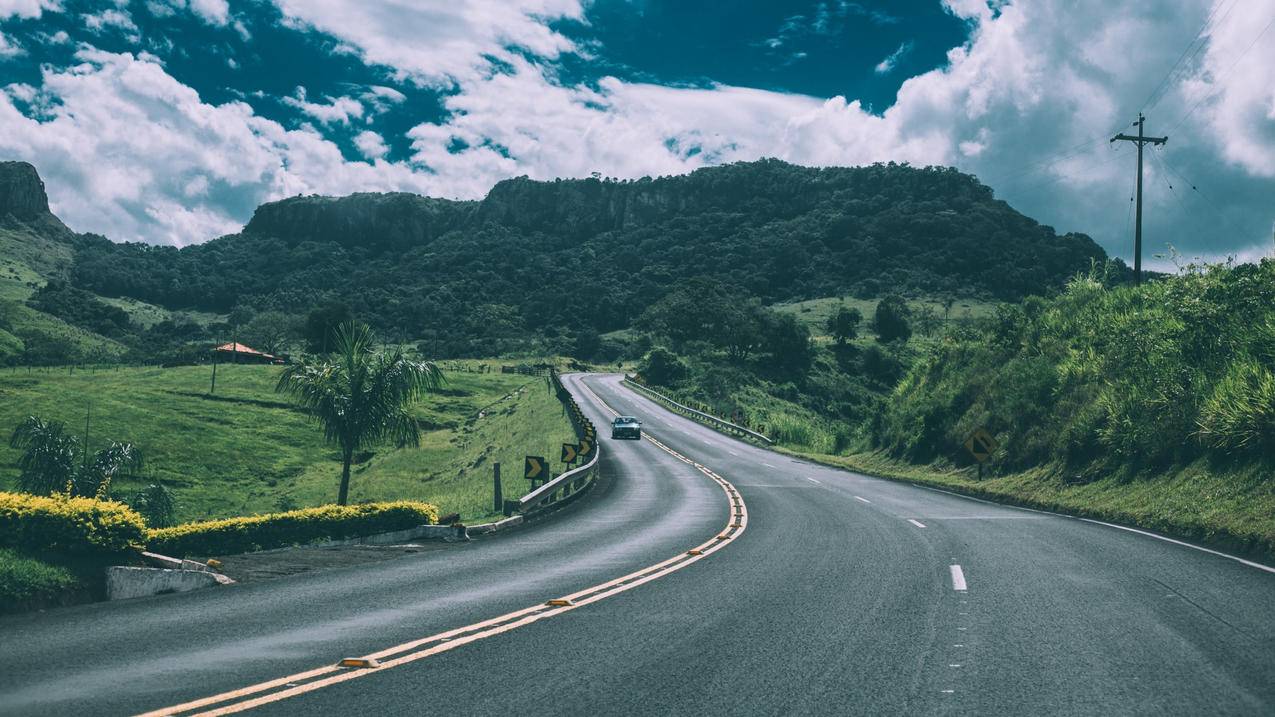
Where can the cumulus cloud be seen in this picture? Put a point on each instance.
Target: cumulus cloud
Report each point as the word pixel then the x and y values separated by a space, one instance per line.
pixel 27 8
pixel 438 43
pixel 129 150
pixel 1028 103
pixel 371 144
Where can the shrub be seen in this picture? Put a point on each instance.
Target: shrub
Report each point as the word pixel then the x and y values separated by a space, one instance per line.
pixel 297 527
pixel 25 581
pixel 74 527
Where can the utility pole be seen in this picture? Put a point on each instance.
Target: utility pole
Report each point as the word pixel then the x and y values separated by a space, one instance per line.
pixel 1140 140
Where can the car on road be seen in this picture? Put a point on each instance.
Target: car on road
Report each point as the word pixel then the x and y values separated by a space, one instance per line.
pixel 626 427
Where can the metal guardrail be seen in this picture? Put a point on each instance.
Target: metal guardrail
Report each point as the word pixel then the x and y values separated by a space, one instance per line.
pixel 572 482
pixel 569 483
pixel 695 413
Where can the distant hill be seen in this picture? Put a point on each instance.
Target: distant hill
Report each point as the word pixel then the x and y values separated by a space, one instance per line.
pixel 552 259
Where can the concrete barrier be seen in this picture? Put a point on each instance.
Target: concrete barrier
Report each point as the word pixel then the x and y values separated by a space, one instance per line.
pixel 124 582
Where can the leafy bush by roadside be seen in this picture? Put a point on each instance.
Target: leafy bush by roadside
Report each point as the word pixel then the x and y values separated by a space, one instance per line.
pixel 26 581
pixel 78 528
pixel 1104 377
pixel 297 527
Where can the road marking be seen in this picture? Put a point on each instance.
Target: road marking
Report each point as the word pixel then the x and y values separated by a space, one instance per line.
pixel 958 580
pixel 917 523
pixel 953 665
pixel 300 683
pixel 862 500
pixel 1242 561
pixel 769 465
pixel 733 453
pixel 812 480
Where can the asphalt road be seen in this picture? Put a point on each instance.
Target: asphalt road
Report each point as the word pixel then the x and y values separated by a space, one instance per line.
pixel 839 597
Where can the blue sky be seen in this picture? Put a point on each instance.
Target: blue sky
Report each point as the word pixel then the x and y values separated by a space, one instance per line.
pixel 169 121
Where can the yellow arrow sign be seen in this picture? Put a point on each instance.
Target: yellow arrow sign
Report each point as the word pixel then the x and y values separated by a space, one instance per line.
pixel 535 467
pixel 981 445
pixel 586 445
pixel 569 452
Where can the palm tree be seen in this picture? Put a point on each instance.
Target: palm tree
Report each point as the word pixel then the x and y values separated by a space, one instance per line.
pixel 359 396
pixel 48 462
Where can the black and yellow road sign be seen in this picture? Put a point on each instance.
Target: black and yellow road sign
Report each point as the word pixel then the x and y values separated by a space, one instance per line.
pixel 586 446
pixel 569 452
pixel 981 445
pixel 535 468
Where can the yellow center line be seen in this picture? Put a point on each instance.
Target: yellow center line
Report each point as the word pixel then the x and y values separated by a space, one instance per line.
pixel 408 652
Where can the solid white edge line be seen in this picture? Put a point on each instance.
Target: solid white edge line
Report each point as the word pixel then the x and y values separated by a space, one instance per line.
pixel 1166 539
pixel 958 578
pixel 917 523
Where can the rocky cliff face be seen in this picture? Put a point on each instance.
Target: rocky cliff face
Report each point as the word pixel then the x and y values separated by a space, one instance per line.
pixel 22 192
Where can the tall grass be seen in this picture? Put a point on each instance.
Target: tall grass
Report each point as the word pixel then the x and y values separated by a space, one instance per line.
pixel 1100 376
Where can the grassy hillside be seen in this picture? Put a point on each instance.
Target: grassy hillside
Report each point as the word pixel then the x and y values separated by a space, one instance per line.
pixel 814 313
pixel 246 450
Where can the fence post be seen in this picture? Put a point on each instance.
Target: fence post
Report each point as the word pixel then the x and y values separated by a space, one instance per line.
pixel 498 499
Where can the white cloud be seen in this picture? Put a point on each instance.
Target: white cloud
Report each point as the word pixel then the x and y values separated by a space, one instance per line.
pixel 338 110
pixel 9 48
pixel 112 19
pixel 1028 104
pixel 371 144
pixel 213 12
pixel 27 8
pixel 886 66
pixel 131 152
pixel 438 43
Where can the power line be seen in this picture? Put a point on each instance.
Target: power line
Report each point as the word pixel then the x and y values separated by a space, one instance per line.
pixel 1162 89
pixel 1215 93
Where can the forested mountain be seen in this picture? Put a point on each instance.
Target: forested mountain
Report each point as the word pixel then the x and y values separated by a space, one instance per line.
pixel 553 259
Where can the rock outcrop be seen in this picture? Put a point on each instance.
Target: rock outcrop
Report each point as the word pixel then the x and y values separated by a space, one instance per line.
pixel 22 193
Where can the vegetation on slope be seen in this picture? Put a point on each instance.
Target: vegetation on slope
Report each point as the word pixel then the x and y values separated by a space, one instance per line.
pixel 485 278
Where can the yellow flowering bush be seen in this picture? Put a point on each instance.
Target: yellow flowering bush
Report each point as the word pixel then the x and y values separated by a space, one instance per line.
pixel 296 527
pixel 73 527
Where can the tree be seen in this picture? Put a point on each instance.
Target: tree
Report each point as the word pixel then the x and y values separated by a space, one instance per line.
pixel 927 320
pixel 269 331
pixel 49 463
pixel 891 319
pixel 662 367
pixel 360 397
pixel 788 342
pixel 322 323
pixel 48 455
pixel 844 324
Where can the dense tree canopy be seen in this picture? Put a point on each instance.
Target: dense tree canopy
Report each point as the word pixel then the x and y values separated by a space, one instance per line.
pixel 562 258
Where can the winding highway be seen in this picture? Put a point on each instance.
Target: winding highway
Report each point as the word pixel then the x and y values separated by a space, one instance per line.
pixel 831 593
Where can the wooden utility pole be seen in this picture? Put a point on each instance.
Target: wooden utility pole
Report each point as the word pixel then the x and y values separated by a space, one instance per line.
pixel 1140 140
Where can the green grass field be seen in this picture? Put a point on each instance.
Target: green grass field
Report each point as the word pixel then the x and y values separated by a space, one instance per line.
pixel 247 450
pixel 814 313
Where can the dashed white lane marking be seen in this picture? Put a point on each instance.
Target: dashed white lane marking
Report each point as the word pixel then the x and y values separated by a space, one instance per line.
pixel 917 523
pixel 733 453
pixel 958 580
pixel 769 465
pixel 812 480
pixel 862 500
